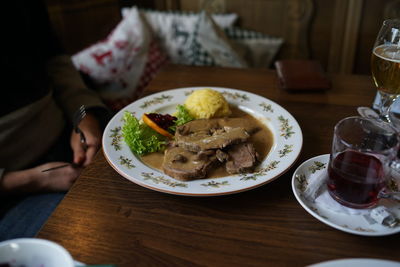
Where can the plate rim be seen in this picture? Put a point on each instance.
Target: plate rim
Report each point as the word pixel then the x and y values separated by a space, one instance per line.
pixel 299 136
pixel 358 261
pixel 320 218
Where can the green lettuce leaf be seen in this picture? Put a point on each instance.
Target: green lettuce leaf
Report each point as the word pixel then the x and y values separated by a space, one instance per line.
pixel 139 137
pixel 182 115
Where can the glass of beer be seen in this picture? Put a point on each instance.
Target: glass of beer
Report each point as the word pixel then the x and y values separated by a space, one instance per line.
pixel 385 65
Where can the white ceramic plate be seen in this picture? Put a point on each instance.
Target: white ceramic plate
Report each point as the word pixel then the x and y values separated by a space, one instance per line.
pixel 350 223
pixel 79 264
pixel 33 252
pixel 288 140
pixel 357 262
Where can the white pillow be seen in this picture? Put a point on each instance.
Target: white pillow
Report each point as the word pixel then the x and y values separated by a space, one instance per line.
pixel 116 64
pixel 173 29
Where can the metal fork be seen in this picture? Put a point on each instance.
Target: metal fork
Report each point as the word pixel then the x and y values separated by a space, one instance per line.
pixel 78 116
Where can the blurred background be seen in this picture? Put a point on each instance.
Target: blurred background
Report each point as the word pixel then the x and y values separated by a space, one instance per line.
pixel 338 33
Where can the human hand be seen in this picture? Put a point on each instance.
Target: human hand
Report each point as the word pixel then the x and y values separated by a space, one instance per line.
pixel 35 180
pixel 84 152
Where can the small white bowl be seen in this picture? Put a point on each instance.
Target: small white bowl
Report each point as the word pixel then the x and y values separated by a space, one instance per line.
pixel 34 252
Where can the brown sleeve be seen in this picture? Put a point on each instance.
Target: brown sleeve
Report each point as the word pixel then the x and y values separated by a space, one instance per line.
pixel 70 91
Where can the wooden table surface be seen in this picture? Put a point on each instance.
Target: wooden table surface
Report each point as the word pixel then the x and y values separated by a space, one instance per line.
pixel 107 219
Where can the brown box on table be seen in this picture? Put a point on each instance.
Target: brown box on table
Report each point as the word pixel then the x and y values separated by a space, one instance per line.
pixel 301 75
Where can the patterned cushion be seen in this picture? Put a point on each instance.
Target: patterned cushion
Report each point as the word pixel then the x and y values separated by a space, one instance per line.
pixel 155 61
pixel 116 63
pixel 122 65
pixel 259 49
pixel 199 56
pixel 210 46
pixel 174 29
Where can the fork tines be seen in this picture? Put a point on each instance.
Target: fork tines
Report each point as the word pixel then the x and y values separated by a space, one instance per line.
pixel 78 116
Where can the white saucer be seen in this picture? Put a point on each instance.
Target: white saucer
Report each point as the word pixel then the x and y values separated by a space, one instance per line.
pixel 350 223
pixel 357 262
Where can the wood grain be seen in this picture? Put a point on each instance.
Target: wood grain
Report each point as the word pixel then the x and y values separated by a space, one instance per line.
pixel 107 219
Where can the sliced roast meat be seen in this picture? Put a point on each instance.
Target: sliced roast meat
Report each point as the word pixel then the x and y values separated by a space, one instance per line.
pixel 218 139
pixel 241 122
pixel 185 165
pixel 201 155
pixel 221 155
pixel 200 145
pixel 242 158
pixel 210 125
pixel 196 126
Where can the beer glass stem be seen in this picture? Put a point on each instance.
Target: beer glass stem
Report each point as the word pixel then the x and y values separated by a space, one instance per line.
pixel 386 101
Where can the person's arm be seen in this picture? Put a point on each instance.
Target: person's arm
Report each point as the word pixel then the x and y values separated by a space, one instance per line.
pixel 69 89
pixel 70 93
pixel 34 180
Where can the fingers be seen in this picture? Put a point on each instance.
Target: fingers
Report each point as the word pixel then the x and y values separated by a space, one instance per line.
pixel 50 165
pixel 58 180
pixel 91 129
pixel 78 148
pixel 84 152
pixel 92 146
pixel 90 153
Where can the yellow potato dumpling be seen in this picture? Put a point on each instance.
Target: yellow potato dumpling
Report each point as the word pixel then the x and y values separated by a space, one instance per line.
pixel 207 103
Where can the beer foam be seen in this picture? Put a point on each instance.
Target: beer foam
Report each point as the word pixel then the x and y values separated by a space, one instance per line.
pixel 388 52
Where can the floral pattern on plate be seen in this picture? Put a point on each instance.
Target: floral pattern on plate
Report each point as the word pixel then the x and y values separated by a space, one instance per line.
pixel 351 223
pixel 288 141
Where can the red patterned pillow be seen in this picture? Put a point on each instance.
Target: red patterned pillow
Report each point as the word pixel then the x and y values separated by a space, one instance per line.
pixel 120 66
pixel 156 59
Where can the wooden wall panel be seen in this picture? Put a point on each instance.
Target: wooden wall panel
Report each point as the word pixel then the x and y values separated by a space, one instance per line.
pixel 79 24
pixel 342 32
pixel 259 15
pixel 270 17
pixel 321 40
pixel 373 16
pixel 290 19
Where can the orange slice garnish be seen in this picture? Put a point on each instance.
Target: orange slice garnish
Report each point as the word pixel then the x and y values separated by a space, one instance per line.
pixel 155 127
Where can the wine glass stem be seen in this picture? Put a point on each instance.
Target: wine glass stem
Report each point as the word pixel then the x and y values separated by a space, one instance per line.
pixel 386 100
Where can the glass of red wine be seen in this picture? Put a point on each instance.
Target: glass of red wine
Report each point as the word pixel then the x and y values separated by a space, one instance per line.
pixel 363 151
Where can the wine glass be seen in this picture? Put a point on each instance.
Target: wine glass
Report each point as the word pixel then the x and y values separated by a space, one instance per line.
pixel 385 65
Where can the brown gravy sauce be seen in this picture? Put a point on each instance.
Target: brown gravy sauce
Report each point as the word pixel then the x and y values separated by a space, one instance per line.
pixel 262 141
